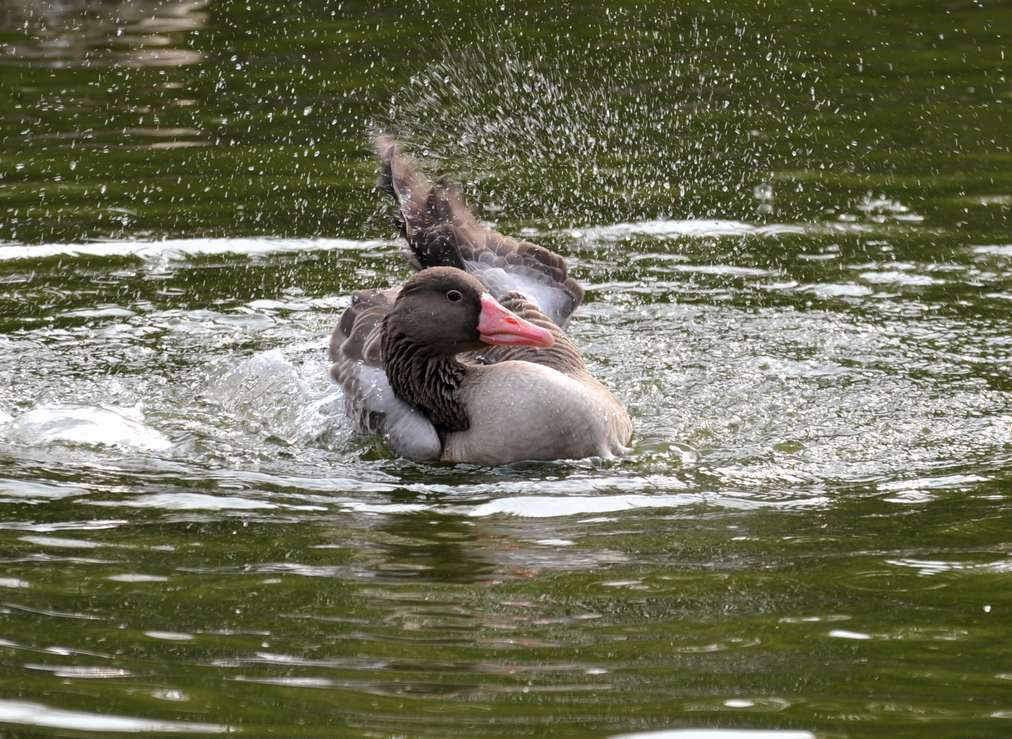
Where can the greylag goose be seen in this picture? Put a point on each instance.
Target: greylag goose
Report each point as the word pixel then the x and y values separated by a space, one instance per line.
pixel 468 360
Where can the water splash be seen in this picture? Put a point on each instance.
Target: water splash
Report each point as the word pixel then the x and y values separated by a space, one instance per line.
pixel 87 425
pixel 653 126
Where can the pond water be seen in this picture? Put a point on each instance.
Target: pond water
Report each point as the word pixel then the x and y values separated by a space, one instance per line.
pixel 793 227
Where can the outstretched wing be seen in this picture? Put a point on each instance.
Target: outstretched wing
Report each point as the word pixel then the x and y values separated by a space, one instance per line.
pixel 357 365
pixel 442 231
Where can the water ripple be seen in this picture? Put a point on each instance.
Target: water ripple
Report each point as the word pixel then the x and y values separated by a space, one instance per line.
pixel 41 715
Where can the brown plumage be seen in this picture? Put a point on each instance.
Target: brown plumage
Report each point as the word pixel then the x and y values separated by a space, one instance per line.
pixel 468 361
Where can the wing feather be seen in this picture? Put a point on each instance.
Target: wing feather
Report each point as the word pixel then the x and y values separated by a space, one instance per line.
pixel 442 231
pixel 369 400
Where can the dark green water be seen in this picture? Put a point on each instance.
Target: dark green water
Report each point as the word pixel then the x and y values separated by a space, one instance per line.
pixel 793 224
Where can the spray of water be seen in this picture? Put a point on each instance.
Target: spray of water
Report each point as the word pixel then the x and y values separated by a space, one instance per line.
pixel 672 118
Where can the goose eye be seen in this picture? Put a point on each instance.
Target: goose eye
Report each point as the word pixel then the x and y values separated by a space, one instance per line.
pixel 454 295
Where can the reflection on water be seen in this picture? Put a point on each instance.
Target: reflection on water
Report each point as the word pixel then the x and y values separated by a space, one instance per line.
pixel 39 715
pixel 136 33
pixel 813 474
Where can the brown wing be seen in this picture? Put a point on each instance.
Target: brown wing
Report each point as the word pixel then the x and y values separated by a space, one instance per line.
pixel 442 231
pixel 369 400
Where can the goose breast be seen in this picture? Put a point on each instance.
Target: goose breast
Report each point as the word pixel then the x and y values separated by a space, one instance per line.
pixel 521 410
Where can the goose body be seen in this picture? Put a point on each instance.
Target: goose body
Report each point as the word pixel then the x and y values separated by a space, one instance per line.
pixel 468 361
pixel 524 410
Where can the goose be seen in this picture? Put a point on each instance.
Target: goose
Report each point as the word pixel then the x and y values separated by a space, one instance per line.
pixel 468 361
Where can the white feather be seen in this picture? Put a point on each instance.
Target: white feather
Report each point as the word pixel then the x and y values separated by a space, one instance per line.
pixel 408 432
pixel 551 301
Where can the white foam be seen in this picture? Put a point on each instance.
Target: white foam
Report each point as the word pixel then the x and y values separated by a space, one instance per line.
pixel 194 502
pixel 130 577
pixel 58 541
pixel 940 482
pixel 84 672
pixel 897 277
pixel 997 250
pixel 718 734
pixel 178 248
pixel 38 714
pixel 709 228
pixel 169 635
pixel 548 506
pixel 838 290
pixel 31 489
pixel 721 269
pixel 85 424
pixel 359 506
pixel 667 229
pixel 844 634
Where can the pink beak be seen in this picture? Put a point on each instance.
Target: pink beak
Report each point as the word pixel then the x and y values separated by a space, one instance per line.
pixel 496 325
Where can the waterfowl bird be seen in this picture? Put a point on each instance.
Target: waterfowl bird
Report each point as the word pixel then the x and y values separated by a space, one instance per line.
pixel 468 360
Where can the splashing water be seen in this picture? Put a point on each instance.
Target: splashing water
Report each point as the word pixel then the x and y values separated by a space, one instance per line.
pixel 806 312
pixel 633 137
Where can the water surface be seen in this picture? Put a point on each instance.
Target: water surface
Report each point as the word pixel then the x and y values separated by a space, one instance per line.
pixel 793 230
